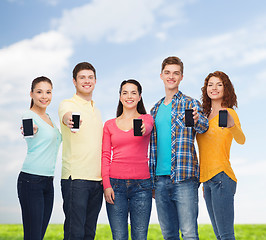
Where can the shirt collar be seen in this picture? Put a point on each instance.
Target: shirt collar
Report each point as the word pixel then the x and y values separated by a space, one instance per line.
pixel 178 95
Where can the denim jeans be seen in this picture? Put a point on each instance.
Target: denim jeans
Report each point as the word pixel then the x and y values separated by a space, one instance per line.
pixel 133 196
pixel 177 207
pixel 82 202
pixel 219 197
pixel 36 197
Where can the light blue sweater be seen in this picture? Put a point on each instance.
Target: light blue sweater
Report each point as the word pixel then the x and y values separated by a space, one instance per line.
pixel 42 148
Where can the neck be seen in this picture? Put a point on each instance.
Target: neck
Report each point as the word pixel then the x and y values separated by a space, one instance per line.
pixel 85 97
pixel 216 105
pixel 169 93
pixel 39 111
pixel 129 113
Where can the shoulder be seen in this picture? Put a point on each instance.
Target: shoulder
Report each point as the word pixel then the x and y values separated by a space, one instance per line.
pixel 67 101
pixel 147 117
pixel 232 113
pixel 109 122
pixel 97 110
pixel 190 100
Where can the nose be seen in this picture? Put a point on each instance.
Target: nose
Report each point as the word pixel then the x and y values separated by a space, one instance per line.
pixel 44 95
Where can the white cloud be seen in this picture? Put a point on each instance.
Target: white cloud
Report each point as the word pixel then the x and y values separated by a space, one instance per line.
pixel 45 54
pixel 119 21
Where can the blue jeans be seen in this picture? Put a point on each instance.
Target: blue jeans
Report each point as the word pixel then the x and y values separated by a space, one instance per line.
pixel 219 197
pixel 133 196
pixel 36 197
pixel 82 202
pixel 177 207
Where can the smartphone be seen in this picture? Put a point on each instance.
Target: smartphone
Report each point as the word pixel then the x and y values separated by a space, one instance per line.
pixel 189 121
pixel 223 118
pixel 27 124
pixel 137 127
pixel 76 120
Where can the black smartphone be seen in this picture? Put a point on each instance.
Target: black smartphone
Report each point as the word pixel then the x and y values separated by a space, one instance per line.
pixel 137 127
pixel 76 120
pixel 27 124
pixel 223 118
pixel 189 121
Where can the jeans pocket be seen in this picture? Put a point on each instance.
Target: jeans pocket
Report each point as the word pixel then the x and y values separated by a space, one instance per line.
pixel 217 179
pixel 145 184
pixel 30 178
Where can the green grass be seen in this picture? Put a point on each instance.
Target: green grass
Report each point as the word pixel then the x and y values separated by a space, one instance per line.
pixel 55 232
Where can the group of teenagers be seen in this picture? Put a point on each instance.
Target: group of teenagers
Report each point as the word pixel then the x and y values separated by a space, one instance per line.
pixel 130 170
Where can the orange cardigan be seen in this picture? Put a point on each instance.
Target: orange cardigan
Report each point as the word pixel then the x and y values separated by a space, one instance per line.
pixel 214 148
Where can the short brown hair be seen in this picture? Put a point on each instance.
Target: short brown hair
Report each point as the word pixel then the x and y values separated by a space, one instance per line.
pixel 173 60
pixel 229 98
pixel 83 66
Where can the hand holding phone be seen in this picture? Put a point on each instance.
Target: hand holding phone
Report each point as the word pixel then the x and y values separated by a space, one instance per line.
pixel 189 120
pixel 27 124
pixel 76 120
pixel 223 118
pixel 137 127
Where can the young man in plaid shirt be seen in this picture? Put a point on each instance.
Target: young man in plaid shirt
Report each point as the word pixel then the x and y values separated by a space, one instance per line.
pixel 173 161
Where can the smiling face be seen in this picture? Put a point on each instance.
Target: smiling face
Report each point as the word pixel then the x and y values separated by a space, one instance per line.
pixel 85 83
pixel 171 76
pixel 215 89
pixel 41 95
pixel 129 96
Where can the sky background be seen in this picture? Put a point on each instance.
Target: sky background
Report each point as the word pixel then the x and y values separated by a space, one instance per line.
pixel 129 39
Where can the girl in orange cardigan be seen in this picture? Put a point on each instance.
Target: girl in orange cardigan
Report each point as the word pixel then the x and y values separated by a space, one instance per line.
pixel 216 173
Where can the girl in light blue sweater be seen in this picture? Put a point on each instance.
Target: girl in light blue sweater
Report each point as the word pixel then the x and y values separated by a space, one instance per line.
pixel 35 181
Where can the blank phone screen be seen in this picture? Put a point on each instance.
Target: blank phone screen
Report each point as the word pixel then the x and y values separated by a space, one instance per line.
pixel 27 127
pixel 137 127
pixel 189 121
pixel 76 119
pixel 223 118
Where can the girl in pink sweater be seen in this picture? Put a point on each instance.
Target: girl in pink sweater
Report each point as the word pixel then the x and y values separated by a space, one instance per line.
pixel 125 171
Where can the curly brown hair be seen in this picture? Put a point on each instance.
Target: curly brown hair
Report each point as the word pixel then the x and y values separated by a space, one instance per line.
pixel 229 98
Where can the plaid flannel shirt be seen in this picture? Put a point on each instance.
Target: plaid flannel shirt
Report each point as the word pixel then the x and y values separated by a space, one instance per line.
pixel 184 162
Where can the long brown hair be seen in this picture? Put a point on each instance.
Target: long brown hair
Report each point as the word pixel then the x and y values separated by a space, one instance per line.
pixel 229 98
pixel 35 82
pixel 140 107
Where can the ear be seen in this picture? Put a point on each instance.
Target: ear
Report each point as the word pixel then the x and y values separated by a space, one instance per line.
pixel 161 75
pixel 74 82
pixel 31 94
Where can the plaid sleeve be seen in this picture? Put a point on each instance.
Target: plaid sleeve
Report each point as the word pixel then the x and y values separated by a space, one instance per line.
pixel 203 124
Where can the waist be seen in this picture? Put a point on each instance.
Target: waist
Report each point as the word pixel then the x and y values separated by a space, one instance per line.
pixel 138 170
pixel 30 175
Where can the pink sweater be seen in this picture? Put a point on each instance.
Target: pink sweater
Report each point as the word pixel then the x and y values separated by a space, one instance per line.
pixel 125 156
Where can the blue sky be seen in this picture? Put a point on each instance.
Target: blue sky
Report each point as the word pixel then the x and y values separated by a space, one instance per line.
pixel 129 39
